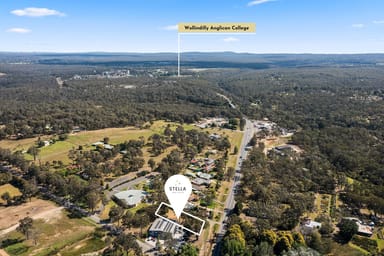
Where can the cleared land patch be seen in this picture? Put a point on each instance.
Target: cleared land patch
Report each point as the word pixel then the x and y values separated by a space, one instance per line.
pixel 10 216
pixel 52 236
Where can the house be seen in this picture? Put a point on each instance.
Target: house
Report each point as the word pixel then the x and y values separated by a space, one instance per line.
pixel 161 227
pixel 76 129
pixel 214 136
pixel 308 225
pixel 284 147
pixel 209 161
pixel 198 165
pixel 196 188
pixel 130 198
pixel 190 174
pixel 107 146
pixel 363 229
pixel 200 181
pixel 204 176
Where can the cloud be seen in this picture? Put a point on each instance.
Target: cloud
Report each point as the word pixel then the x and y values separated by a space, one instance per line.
pixel 171 27
pixel 257 2
pixel 230 39
pixel 359 25
pixel 378 22
pixel 36 12
pixel 19 30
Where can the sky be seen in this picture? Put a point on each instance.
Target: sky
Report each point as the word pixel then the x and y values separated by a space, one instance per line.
pixel 282 26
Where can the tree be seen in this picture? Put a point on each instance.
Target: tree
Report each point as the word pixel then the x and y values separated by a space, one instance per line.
pixel 315 241
pixel 326 228
pixel 235 150
pixel 238 208
pixel 268 236
pixel 234 242
pixel 6 197
pixel 34 151
pixel 230 172
pixel 264 248
pixel 106 140
pixel 92 199
pixel 298 238
pixel 63 137
pixel 115 214
pixel 242 124
pixel 187 250
pixel 167 130
pixel 253 141
pixel 348 228
pixel 124 245
pixel 282 245
pixel 128 219
pixel 25 226
pixel 151 163
pixel 29 189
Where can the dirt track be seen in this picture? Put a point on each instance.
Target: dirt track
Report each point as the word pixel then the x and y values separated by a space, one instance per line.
pixel 37 209
pixel 3 253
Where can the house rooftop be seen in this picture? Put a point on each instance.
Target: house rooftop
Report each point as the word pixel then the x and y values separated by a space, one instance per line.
pixel 205 176
pixel 131 197
pixel 312 224
pixel 199 181
pixel 162 225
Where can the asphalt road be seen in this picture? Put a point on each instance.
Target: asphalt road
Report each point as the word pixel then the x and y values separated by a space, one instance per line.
pixel 125 184
pixel 249 130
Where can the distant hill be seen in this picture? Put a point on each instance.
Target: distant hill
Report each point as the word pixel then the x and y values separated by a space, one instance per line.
pixel 198 59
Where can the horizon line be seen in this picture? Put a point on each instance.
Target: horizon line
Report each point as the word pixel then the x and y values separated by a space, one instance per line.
pixel 186 52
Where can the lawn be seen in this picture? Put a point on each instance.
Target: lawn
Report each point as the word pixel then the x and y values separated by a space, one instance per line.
pixel 138 207
pixel 52 235
pixel 10 189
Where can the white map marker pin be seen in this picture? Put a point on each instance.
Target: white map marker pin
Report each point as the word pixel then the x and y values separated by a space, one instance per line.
pixel 178 188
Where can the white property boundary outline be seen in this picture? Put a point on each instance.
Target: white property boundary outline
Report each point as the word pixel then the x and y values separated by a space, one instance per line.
pixel 179 43
pixel 177 224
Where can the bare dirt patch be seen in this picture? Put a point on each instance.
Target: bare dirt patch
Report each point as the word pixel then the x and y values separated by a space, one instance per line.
pixel 36 209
